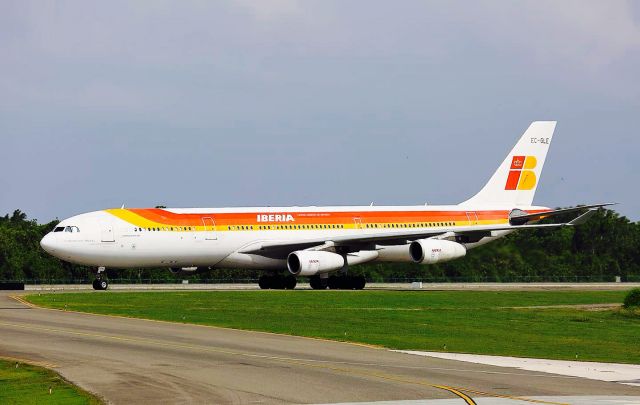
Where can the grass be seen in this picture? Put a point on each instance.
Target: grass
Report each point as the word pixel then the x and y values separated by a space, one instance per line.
pixel 27 384
pixel 457 321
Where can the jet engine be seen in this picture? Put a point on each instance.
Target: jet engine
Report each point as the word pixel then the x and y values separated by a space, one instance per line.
pixel 313 262
pixel 394 253
pixel 430 251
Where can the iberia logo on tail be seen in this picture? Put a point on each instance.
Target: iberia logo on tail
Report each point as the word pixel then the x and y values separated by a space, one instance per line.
pixel 521 175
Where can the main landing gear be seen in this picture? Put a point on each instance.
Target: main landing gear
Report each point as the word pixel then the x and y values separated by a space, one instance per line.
pixel 277 282
pixel 338 282
pixel 100 283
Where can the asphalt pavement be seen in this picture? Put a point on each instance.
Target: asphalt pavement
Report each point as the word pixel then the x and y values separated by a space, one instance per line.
pixel 126 360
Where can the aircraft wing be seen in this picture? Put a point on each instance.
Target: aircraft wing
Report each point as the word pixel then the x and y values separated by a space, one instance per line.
pixel 360 241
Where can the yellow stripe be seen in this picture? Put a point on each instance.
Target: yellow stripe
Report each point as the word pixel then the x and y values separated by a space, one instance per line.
pixel 22 301
pixel 142 222
pixel 536 401
pixel 134 219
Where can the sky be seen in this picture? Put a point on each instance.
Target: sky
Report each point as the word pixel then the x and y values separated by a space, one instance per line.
pixel 283 102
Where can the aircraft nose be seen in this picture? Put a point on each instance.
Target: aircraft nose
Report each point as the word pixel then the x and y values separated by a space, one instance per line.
pixel 47 243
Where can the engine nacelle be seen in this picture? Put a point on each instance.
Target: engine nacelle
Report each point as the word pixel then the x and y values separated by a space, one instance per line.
pixel 430 251
pixel 312 262
pixel 394 253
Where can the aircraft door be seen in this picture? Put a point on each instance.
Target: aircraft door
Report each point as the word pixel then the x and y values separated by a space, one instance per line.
pixel 209 228
pixel 472 217
pixel 358 222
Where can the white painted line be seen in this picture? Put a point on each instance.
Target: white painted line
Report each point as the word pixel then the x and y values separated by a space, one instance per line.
pixel 613 372
pixel 570 400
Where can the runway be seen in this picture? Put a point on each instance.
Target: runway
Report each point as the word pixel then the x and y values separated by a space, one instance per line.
pixel 130 360
pixel 370 286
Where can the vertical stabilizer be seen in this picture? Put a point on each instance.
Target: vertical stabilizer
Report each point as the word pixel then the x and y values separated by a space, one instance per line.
pixel 515 181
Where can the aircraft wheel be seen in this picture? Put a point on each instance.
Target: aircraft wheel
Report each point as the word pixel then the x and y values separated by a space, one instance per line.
pixel 264 282
pixel 334 283
pixel 360 282
pixel 103 284
pixel 317 283
pixel 282 282
pixel 290 282
pixel 96 286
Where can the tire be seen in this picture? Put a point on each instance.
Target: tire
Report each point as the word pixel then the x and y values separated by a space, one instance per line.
pixel 317 283
pixel 103 284
pixel 334 283
pixel 264 282
pixel 96 286
pixel 278 282
pixel 359 282
pixel 290 282
pixel 347 283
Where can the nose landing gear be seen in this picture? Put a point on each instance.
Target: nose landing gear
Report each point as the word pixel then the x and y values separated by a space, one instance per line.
pixel 100 283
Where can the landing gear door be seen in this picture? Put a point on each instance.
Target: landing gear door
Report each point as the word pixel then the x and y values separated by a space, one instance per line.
pixel 107 234
pixel 209 228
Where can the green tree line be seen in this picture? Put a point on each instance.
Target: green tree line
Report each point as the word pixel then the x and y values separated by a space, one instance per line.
pixel 606 246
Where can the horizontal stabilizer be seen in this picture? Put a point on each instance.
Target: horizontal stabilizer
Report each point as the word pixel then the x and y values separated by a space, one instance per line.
pixel 519 219
pixel 583 218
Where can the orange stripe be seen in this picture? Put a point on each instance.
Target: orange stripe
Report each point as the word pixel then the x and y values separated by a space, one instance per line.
pixel 312 218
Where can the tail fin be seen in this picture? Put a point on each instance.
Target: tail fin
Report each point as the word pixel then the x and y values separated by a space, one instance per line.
pixel 515 181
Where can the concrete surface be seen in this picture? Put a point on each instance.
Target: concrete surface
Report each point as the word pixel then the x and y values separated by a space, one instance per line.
pixel 621 373
pixel 581 400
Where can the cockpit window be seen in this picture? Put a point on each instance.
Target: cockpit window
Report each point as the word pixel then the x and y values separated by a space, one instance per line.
pixel 58 229
pixel 71 229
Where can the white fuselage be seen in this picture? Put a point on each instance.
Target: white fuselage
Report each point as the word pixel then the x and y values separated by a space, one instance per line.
pixel 178 238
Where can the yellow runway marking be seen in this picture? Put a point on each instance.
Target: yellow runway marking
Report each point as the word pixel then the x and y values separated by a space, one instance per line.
pixel 537 401
pixel 462 395
pixel 22 301
pixel 303 362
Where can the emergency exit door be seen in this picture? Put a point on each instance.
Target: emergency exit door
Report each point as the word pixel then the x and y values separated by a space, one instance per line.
pixel 209 228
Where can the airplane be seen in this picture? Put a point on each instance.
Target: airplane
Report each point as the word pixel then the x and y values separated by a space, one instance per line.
pixel 315 242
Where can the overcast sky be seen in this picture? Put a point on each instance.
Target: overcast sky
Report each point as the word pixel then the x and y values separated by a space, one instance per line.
pixel 235 103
